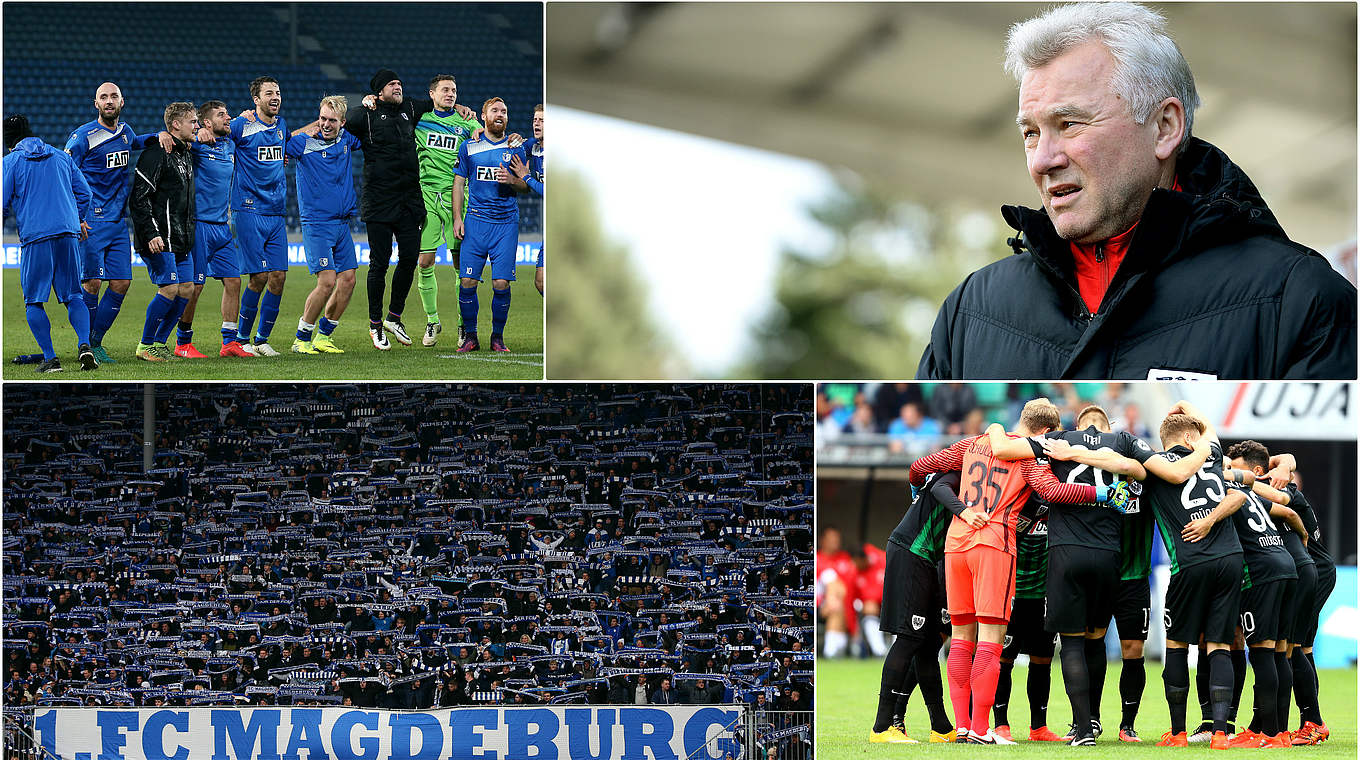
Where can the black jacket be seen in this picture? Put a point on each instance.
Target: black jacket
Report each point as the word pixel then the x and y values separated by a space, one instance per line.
pixel 391 169
pixel 1210 285
pixel 162 202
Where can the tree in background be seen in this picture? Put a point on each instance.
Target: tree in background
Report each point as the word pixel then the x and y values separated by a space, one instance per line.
pixel 863 308
pixel 598 322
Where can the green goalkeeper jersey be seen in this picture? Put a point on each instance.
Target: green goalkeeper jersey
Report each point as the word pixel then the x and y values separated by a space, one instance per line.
pixel 437 141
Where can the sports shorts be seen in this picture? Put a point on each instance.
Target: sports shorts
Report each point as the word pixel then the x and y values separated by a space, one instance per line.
pixel 1026 634
pixel 1261 607
pixel 165 270
pixel 1132 609
pixel 51 264
pixel 106 254
pixel 438 222
pixel 1082 585
pixel 485 241
pixel 263 243
pixel 980 582
pixel 329 245
pixel 214 252
pixel 1326 581
pixel 911 595
pixel 1297 603
pixel 1204 599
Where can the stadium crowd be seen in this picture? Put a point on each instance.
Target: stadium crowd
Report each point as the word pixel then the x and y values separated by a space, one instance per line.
pixel 409 546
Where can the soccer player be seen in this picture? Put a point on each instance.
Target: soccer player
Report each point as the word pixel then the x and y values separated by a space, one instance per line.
pixel 101 149
pixel 490 229
pixel 50 200
pixel 1314 586
pixel 980 556
pixel 162 208
pixel 912 597
pixel 533 175
pixel 1206 566
pixel 214 251
pixel 440 132
pixel 326 199
pixel 258 197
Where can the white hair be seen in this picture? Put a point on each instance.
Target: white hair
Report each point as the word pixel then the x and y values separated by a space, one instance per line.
pixel 1148 67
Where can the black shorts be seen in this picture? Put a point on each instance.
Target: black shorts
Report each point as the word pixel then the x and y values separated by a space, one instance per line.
pixel 1262 605
pixel 1082 584
pixel 1308 624
pixel 912 595
pixel 1204 599
pixel 1025 634
pixel 1298 602
pixel 1132 609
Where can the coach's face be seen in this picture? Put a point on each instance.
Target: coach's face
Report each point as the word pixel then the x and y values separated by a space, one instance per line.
pixel 108 101
pixel 391 92
pixel 1093 166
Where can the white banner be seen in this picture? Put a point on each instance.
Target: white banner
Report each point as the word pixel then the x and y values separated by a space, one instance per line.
pixel 341 733
pixel 1298 411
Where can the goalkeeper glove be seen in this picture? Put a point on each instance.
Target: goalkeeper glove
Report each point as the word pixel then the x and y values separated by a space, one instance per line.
pixel 1116 497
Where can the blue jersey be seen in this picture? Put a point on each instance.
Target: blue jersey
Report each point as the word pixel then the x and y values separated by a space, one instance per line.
pixel 104 157
pixel 534 148
pixel 258 186
pixel 325 178
pixel 487 198
pixel 212 179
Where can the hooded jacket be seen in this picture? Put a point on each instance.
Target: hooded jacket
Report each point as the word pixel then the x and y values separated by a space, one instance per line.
pixel 1210 286
pixel 163 203
pixel 44 190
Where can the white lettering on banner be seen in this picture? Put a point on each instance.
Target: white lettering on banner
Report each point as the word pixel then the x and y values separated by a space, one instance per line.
pixel 691 732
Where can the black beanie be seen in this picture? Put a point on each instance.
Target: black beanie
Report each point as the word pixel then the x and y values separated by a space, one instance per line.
pixel 16 128
pixel 381 79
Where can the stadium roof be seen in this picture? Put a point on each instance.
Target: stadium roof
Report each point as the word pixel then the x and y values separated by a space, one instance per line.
pixel 915 93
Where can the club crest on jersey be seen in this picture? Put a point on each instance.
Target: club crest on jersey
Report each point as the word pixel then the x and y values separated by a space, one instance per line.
pixel 269 153
pixel 1007 641
pixel 441 141
pixel 116 159
pixel 404 116
pixel 917 621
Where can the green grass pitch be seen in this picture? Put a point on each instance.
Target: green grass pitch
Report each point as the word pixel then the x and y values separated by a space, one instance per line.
pixel 523 334
pixel 847 696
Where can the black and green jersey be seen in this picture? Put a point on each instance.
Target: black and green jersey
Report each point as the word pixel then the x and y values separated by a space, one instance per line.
pixel 922 529
pixel 1262 545
pixel 1085 525
pixel 1031 559
pixel 1135 538
pixel 1175 505
pixel 1318 550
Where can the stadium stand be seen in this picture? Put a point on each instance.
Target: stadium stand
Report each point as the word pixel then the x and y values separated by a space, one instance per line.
pixel 409 546
pixel 57 54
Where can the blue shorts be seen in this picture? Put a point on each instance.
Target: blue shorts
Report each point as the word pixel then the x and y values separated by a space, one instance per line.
pixel 107 253
pixel 48 265
pixel 540 257
pixel 494 240
pixel 329 245
pixel 214 252
pixel 263 242
pixel 164 270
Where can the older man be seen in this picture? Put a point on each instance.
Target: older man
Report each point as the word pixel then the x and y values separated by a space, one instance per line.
pixel 1154 255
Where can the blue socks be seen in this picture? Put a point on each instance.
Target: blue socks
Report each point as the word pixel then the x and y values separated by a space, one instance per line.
pixel 305 331
pixel 185 334
pixel 91 303
pixel 250 303
pixel 170 319
pixel 79 314
pixel 467 306
pixel 326 326
pixel 500 310
pixel 155 314
pixel 41 328
pixel 269 314
pixel 104 315
pixel 228 332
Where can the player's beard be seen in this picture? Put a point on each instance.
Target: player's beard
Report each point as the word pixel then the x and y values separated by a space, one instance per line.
pixel 110 118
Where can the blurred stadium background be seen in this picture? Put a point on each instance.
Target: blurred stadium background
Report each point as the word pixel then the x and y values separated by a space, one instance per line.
pixel 411 546
pixel 57 54
pixel 868 434
pixel 820 175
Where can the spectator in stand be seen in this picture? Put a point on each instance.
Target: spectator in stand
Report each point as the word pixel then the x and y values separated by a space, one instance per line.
pixel 912 432
pixel 890 397
pixel 951 403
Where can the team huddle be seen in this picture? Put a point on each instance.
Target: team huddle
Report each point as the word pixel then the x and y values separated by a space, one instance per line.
pixel 433 174
pixel 1014 542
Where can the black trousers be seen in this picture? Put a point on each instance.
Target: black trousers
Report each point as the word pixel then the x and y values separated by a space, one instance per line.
pixel 406 231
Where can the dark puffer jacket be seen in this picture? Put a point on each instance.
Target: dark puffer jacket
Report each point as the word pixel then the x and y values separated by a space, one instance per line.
pixel 1211 285
pixel 162 201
